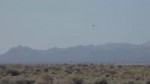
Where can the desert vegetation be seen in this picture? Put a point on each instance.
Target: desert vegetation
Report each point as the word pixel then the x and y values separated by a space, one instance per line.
pixel 74 74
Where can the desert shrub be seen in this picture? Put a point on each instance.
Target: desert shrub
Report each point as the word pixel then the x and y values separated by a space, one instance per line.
pixel 78 80
pixel 138 78
pixel 107 75
pixel 112 72
pixel 5 81
pixel 68 71
pixel 2 72
pixel 103 81
pixel 120 66
pixel 131 82
pixel 147 82
pixel 45 69
pixel 13 72
pixel 2 67
pixel 45 79
pixel 112 66
pixel 25 81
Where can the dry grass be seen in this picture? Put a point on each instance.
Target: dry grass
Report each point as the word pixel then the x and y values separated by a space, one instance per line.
pixel 74 74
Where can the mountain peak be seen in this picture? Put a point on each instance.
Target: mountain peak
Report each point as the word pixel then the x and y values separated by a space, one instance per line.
pixel 126 53
pixel 18 49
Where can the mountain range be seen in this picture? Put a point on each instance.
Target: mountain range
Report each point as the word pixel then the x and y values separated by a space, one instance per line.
pixel 106 53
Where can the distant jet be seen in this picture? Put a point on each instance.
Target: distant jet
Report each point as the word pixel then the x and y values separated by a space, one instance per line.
pixel 93 25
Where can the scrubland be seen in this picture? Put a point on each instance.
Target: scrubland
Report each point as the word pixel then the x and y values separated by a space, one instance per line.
pixel 74 74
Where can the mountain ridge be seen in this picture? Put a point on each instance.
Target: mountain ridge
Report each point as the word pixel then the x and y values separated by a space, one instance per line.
pixel 106 53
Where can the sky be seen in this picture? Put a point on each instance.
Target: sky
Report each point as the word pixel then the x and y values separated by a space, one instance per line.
pixel 43 24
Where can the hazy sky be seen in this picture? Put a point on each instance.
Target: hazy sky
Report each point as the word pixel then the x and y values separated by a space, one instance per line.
pixel 43 24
